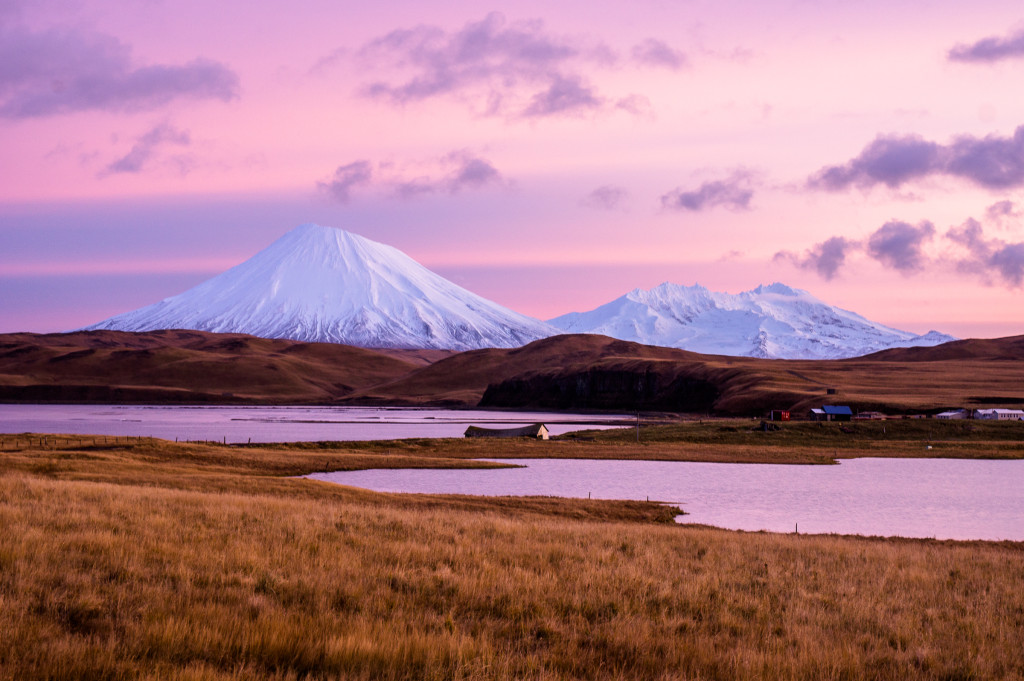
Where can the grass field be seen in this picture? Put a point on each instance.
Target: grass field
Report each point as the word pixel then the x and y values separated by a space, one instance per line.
pixel 147 559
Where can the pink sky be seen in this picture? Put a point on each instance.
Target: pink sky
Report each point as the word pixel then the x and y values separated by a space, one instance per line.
pixel 550 156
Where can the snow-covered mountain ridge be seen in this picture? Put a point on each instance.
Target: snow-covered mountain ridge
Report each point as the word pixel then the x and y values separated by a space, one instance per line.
pixel 773 321
pixel 322 284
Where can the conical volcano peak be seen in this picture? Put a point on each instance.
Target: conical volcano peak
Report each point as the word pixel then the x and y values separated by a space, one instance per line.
pixel 324 284
pixel 329 244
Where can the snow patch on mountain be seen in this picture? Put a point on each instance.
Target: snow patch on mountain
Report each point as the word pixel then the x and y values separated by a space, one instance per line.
pixel 322 284
pixel 773 321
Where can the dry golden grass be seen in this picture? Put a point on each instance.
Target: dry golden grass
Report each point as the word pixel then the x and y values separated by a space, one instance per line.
pixel 191 367
pixel 155 561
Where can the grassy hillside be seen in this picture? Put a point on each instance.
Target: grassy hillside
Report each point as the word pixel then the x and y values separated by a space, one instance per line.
pixel 570 372
pixel 189 367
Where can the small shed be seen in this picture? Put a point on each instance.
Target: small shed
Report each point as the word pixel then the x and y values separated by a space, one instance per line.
pixel 837 413
pixel 952 415
pixel 778 415
pixel 831 413
pixel 538 431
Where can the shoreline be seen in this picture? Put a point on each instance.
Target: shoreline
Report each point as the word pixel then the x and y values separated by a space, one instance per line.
pixel 71 457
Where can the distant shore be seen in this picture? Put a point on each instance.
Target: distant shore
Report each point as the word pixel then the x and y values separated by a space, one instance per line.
pixel 710 440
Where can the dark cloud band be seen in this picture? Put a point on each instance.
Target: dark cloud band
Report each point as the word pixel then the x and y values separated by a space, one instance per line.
pixel 992 162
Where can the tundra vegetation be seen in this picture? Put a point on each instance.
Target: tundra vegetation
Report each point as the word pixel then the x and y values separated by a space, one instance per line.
pixel 139 558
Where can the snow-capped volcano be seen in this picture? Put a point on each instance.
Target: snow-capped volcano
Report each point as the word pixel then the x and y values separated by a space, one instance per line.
pixel 321 284
pixel 773 321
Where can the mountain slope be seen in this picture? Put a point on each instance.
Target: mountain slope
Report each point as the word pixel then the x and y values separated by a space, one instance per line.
pixel 770 322
pixel 191 367
pixel 321 284
pixel 562 372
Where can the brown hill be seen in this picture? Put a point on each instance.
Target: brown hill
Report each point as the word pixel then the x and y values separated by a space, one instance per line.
pixel 189 367
pixel 596 372
pixel 563 372
pixel 1009 348
pixel 462 379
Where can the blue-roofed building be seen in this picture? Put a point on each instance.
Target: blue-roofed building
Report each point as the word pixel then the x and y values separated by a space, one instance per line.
pixel 831 413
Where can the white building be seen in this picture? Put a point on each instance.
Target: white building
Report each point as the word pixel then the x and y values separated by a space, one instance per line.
pixel 955 414
pixel 999 414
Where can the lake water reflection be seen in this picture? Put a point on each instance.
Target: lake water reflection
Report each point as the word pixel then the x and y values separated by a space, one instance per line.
pixel 275 424
pixel 941 498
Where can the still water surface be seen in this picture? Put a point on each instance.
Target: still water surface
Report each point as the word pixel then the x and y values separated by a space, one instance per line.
pixel 275 424
pixel 941 498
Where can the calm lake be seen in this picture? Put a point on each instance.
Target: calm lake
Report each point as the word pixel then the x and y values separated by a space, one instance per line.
pixel 275 424
pixel 941 498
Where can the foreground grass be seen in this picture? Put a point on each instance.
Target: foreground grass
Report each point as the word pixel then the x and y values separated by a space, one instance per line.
pixel 150 560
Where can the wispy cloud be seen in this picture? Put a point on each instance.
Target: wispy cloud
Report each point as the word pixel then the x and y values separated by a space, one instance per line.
pixel 992 162
pixel 606 197
pixel 514 69
pixel 638 105
pixel 146 147
pixel 825 258
pixel 345 179
pixel 990 49
pixel 734 192
pixel 450 174
pixel 455 172
pixel 1003 210
pixel 566 94
pixel 652 52
pixel 53 72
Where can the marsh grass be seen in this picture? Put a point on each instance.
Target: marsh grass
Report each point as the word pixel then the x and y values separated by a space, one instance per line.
pixel 745 441
pixel 158 561
pixel 727 440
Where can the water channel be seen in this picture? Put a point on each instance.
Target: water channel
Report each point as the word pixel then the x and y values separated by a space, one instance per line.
pixel 939 498
pixel 278 424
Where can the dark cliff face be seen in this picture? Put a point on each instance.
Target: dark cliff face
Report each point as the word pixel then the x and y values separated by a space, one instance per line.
pixel 604 389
